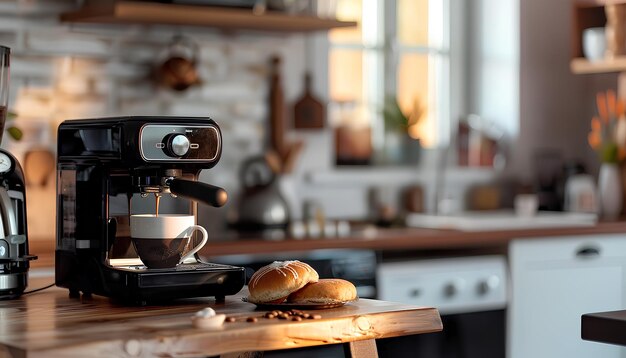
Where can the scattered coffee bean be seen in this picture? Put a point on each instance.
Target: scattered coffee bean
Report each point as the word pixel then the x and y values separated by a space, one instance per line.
pixel 251 319
pixel 296 318
pixel 230 319
pixel 269 315
pixel 283 316
pixel 306 315
pixel 315 316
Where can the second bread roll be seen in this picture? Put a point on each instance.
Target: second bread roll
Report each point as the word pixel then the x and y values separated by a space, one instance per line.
pixel 325 291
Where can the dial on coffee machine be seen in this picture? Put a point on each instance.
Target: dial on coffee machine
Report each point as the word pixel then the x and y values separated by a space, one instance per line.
pixel 106 169
pixel 14 255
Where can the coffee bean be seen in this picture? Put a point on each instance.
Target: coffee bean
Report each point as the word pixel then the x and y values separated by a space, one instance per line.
pixel 296 318
pixel 270 315
pixel 315 316
pixel 283 316
pixel 230 319
pixel 251 319
pixel 306 315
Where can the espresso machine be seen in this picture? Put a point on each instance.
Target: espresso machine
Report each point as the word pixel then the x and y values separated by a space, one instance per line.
pixel 106 167
pixel 14 255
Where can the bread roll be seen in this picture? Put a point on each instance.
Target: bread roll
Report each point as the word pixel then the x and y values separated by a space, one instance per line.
pixel 272 284
pixel 325 291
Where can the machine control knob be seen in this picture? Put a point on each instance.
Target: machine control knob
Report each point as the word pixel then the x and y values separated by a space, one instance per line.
pixel 487 285
pixel 453 288
pixel 176 145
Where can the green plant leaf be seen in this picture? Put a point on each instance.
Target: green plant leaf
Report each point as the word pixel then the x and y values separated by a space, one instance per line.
pixel 394 119
pixel 15 133
pixel 609 153
pixel 11 116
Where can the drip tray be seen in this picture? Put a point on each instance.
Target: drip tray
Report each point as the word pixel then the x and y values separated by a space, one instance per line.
pixel 135 264
pixel 501 220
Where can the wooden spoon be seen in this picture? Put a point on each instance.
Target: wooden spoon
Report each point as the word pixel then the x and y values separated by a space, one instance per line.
pixel 291 156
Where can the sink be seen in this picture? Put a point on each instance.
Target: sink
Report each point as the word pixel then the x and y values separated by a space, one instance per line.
pixel 501 220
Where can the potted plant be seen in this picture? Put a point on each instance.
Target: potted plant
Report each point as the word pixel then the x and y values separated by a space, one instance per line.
pixel 608 138
pixel 401 142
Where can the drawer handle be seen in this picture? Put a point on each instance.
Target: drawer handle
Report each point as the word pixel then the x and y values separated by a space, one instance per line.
pixel 588 251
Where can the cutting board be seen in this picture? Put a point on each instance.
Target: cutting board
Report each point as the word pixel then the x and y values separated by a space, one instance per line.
pixel 308 112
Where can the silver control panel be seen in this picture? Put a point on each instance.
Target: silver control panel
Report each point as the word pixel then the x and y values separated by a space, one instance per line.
pixel 159 142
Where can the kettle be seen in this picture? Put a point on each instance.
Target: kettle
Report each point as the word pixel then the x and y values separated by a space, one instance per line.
pixel 261 204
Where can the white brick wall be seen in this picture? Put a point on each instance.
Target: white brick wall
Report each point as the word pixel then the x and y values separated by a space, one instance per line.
pixel 62 71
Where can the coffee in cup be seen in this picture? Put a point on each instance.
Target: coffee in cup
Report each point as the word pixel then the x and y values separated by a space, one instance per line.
pixel 160 241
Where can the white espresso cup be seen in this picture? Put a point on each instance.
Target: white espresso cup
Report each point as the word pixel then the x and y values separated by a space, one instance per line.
pixel 160 241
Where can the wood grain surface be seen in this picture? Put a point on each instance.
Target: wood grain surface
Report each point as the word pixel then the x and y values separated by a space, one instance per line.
pixel 50 324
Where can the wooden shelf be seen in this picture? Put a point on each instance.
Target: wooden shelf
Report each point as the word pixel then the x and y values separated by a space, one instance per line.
pixel 129 12
pixel 595 3
pixel 582 66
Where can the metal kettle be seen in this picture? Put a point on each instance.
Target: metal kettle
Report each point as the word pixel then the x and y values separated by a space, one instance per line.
pixel 261 204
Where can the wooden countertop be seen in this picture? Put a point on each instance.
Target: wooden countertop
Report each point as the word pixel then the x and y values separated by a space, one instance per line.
pixel 401 239
pixel 372 238
pixel 50 324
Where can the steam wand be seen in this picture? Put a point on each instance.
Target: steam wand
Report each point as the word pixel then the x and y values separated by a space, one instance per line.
pixel 198 191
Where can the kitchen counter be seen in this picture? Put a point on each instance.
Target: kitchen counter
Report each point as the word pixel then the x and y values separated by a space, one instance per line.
pixel 605 327
pixel 386 239
pixel 399 239
pixel 50 324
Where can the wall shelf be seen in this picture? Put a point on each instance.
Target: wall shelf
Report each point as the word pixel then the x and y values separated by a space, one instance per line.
pixel 581 66
pixel 130 12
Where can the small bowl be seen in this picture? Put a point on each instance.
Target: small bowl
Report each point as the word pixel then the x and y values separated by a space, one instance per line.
pixel 208 322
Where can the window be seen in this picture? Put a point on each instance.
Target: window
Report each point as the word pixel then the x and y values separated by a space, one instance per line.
pixel 401 49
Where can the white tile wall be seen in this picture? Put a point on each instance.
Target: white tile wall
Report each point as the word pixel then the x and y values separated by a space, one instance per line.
pixel 62 71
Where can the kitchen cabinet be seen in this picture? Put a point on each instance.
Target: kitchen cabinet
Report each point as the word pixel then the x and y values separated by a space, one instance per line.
pixel 554 282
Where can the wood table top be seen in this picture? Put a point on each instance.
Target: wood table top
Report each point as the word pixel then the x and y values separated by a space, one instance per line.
pixel 49 323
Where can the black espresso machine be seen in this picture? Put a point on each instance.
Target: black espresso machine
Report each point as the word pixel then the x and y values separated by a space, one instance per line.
pixel 106 167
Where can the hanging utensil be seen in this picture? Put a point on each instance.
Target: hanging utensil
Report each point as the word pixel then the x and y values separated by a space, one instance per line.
pixel 308 112
pixel 179 70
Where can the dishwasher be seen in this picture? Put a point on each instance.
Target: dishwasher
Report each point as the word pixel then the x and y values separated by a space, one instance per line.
pixel 471 295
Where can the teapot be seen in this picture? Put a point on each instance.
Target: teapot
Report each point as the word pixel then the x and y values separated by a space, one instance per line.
pixel 261 205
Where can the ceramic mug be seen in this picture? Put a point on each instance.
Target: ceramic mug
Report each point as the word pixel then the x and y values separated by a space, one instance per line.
pixel 594 43
pixel 526 205
pixel 160 241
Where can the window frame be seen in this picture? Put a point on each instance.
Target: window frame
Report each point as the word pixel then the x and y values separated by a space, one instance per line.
pixel 380 46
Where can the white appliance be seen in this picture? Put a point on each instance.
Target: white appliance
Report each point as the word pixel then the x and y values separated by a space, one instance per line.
pixel 470 293
pixel 555 281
